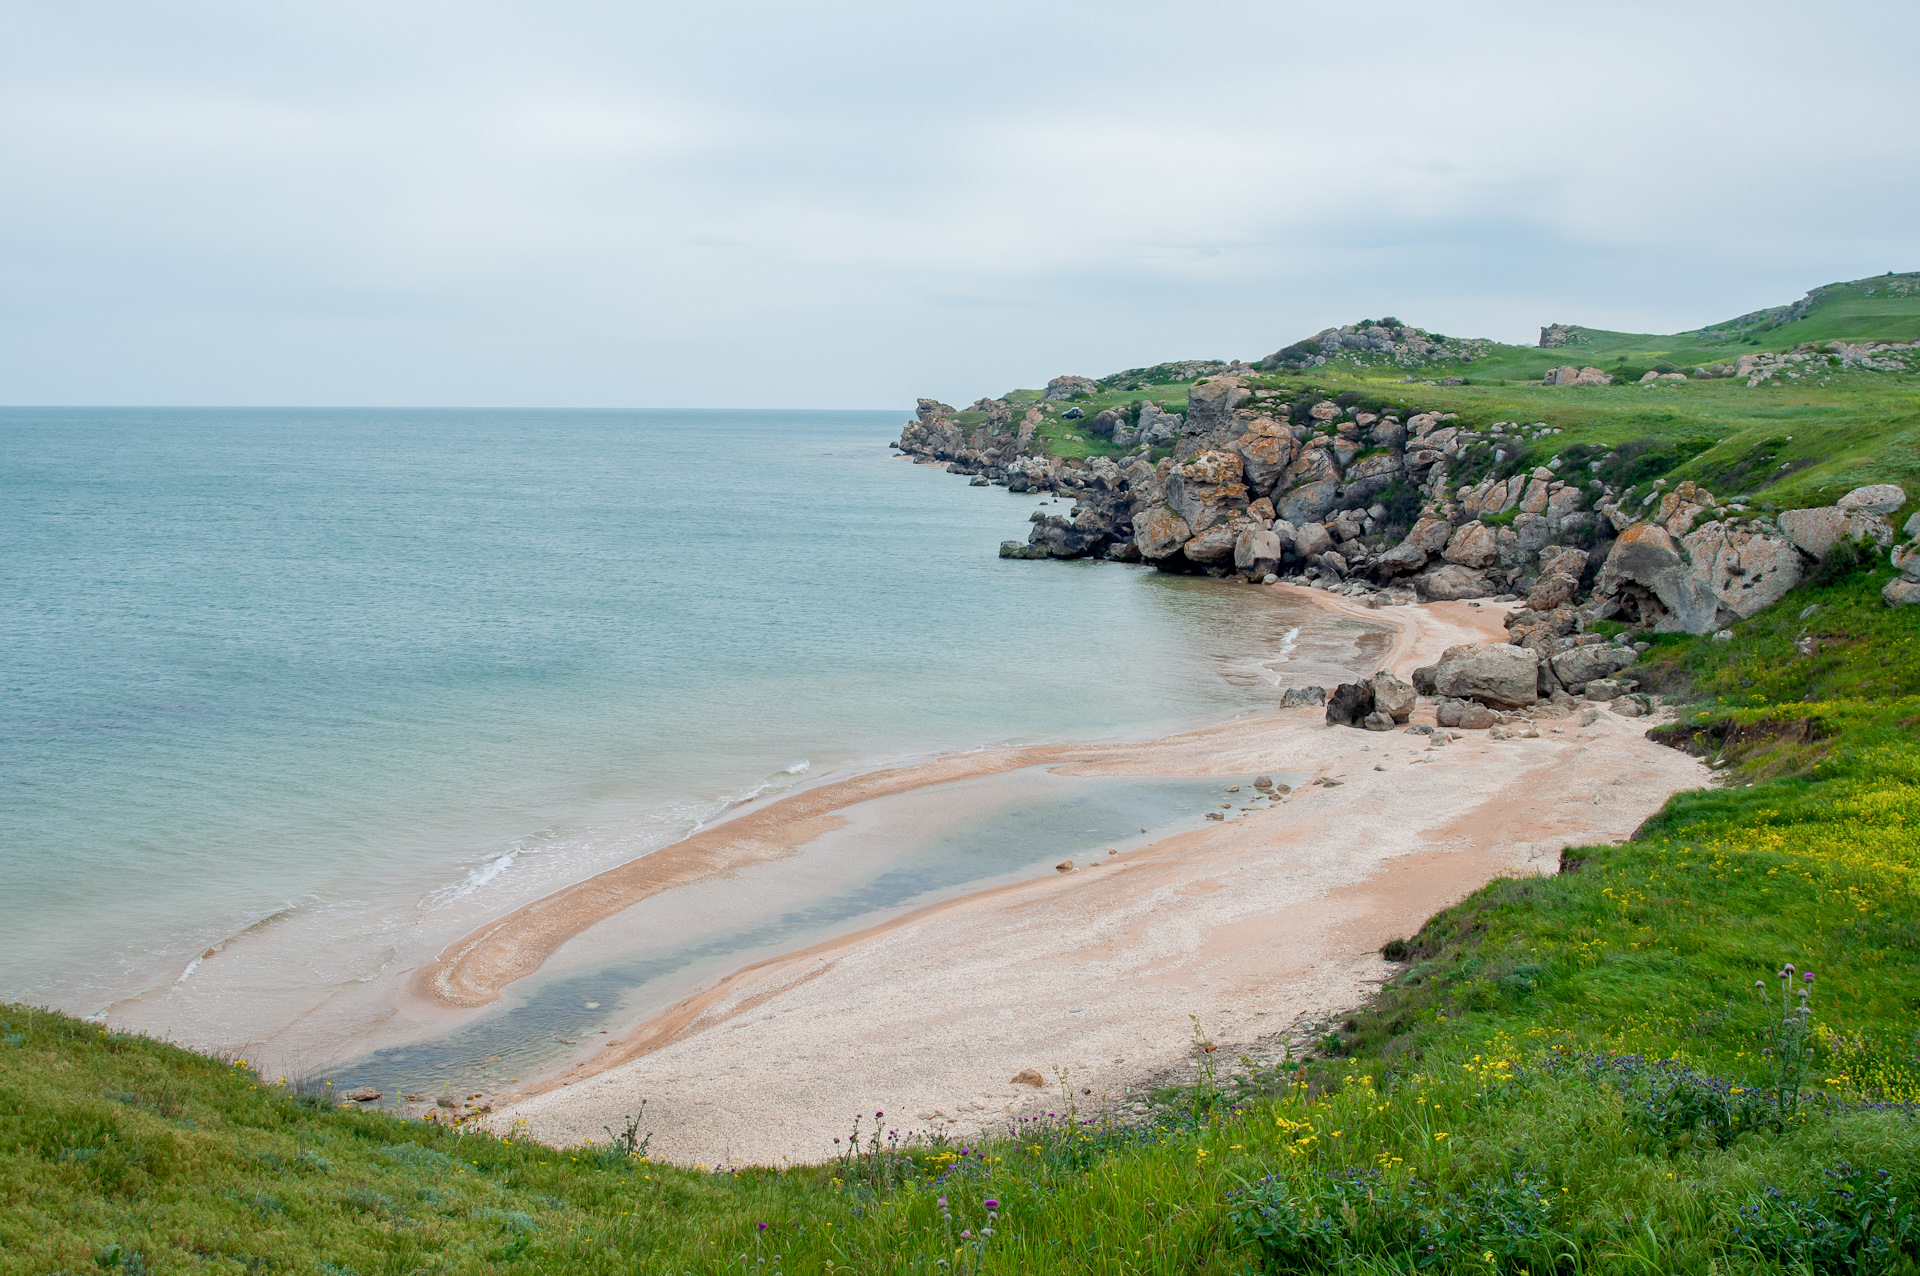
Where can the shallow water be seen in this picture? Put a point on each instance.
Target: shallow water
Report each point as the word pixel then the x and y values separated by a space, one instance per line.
pixel 293 697
pixel 898 853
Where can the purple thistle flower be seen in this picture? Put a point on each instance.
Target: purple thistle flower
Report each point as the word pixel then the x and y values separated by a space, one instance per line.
pixel 992 1204
pixel 763 1227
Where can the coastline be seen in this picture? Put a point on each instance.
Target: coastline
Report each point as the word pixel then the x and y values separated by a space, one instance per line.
pixel 1253 924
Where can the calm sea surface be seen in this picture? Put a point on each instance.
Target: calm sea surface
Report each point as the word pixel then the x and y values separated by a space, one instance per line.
pixel 378 666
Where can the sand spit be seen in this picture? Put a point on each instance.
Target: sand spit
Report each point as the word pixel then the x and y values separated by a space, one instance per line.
pixel 1252 924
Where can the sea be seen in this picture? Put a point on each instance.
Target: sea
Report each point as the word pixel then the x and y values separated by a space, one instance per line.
pixel 300 695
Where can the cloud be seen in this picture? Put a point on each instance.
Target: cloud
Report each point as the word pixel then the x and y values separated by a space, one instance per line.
pixel 851 203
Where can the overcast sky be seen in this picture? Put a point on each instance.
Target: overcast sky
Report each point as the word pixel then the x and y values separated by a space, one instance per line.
pixel 848 205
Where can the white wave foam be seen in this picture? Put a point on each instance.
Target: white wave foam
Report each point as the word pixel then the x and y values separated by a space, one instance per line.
pixel 1270 667
pixel 799 768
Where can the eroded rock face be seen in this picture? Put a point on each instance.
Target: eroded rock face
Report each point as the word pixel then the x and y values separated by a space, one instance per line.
pixel 1645 555
pixel 1309 502
pixel 1391 696
pixel 1452 582
pixel 1745 570
pixel 1497 674
pixel 1816 531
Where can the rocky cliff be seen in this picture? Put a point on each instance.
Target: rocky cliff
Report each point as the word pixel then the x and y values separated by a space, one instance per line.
pixel 1250 485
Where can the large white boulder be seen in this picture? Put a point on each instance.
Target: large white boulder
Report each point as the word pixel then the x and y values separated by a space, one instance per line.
pixel 1494 673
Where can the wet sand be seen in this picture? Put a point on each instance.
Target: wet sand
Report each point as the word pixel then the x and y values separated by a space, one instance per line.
pixel 1254 924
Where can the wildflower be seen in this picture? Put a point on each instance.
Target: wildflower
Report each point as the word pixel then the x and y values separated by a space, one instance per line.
pixel 762 1226
pixel 966 1234
pixel 992 1204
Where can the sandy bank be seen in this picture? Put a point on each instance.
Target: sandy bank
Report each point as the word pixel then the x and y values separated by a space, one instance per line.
pixel 1250 924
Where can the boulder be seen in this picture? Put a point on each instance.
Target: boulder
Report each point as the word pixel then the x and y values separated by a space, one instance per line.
pixel 1901 593
pixel 1474 545
pixel 1423 679
pixel 1210 404
pixel 1815 532
pixel 1333 560
pixel 1311 539
pixel 1309 502
pixel 1465 714
pixel 1349 704
pixel 1878 498
pixel 1325 410
pixel 1402 558
pixel 1391 696
pixel 1207 488
pixel 1303 697
pixel 365 1094
pixel 1746 570
pixel 1577 666
pixel 1257 550
pixel 1452 582
pixel 1265 450
pixel 1494 673
pixel 1550 591
pixel 1912 529
pixel 1160 533
pixel 1067 387
pixel 1645 555
pixel 1377 721
pixel 1215 545
pixel 1906 560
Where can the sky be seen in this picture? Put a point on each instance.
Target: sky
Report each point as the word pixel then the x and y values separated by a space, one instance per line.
pixel 848 205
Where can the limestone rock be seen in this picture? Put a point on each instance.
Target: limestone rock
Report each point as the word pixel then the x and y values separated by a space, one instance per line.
pixel 1028 1076
pixel 1377 721
pixel 1423 679
pixel 1067 387
pixel 1906 560
pixel 1216 544
pixel 1474 545
pixel 1325 410
pixel 1349 704
pixel 1265 450
pixel 1497 674
pixel 365 1094
pixel 1745 570
pixel 1551 590
pixel 1311 539
pixel 1392 696
pixel 1257 550
pixel 1645 555
pixel 1303 697
pixel 1878 498
pixel 1466 714
pixel 1912 529
pixel 1578 666
pixel 1161 533
pixel 1210 404
pixel 1816 531
pixel 1901 593
pixel 1452 582
pixel 1309 502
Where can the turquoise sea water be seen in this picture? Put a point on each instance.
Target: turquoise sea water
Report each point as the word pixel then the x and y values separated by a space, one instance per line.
pixel 363 669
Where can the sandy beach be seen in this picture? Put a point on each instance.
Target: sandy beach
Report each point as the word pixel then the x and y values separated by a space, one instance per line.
pixel 1267 920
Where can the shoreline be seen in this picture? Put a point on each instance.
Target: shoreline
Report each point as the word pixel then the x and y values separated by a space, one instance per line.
pixel 728 1088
